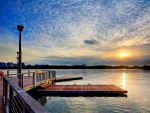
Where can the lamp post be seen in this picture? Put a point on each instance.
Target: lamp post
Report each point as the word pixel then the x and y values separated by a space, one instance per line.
pixel 20 29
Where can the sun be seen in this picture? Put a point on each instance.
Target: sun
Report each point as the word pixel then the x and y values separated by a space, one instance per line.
pixel 124 54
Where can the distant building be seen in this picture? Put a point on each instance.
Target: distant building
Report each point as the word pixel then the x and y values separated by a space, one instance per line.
pixel 15 65
pixel 10 64
pixel 23 64
pixel 2 64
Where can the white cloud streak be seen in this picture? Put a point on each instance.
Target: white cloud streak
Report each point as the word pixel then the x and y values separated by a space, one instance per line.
pixel 62 25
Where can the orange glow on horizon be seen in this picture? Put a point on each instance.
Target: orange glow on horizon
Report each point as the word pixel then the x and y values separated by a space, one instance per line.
pixel 124 54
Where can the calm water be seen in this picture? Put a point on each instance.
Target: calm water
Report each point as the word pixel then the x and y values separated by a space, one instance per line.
pixel 136 82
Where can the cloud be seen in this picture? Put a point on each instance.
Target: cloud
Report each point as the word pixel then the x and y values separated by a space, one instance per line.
pixel 60 27
pixel 67 24
pixel 90 42
pixel 66 60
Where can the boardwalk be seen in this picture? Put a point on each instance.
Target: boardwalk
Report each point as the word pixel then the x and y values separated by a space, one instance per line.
pixel 83 90
pixel 28 80
pixel 66 90
pixel 1 94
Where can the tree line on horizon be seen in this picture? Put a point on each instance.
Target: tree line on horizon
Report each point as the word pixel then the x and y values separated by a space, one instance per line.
pixel 79 67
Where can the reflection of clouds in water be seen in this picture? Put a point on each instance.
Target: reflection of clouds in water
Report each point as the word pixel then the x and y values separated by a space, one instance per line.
pixel 123 80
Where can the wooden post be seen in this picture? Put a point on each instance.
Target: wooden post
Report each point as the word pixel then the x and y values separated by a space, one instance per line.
pixel 28 72
pixel 34 78
pixel 8 73
pixel 40 76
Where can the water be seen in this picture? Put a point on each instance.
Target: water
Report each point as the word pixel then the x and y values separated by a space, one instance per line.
pixel 136 82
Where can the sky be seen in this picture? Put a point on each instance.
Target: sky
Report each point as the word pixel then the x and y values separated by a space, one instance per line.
pixel 67 32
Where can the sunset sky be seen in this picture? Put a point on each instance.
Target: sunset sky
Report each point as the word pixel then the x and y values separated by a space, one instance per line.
pixel 66 32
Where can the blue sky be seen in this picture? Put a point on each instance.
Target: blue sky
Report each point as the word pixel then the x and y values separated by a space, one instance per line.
pixel 76 31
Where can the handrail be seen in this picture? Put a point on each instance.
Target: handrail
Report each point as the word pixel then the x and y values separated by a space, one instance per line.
pixel 26 73
pixel 38 77
pixel 19 73
pixel 29 104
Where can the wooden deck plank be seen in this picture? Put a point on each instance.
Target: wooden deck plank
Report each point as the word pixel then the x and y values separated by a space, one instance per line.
pixel 1 106
pixel 1 94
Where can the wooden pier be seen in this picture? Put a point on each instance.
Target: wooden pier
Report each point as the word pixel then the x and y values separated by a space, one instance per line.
pixel 83 90
pixel 43 83
pixel 15 99
pixel 28 81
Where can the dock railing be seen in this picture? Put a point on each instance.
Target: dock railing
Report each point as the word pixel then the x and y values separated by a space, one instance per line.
pixel 16 100
pixel 37 78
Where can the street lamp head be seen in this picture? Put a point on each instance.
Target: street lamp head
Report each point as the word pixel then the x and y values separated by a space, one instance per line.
pixel 20 27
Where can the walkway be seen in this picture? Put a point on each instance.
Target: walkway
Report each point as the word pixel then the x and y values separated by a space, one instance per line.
pixel 1 94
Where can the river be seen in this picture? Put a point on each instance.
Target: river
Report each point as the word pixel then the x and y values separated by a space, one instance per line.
pixel 136 82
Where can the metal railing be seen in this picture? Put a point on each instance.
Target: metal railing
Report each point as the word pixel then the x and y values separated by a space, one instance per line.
pixel 43 76
pixel 38 78
pixel 16 100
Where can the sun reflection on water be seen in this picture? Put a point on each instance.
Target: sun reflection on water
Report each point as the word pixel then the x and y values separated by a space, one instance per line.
pixel 123 80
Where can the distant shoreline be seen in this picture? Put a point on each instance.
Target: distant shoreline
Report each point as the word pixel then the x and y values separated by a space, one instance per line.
pixel 80 67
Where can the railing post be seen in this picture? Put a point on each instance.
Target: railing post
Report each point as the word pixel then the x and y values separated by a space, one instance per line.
pixel 28 72
pixel 40 77
pixel 6 91
pixel 34 78
pixel 45 75
pixel 22 80
pixel 4 87
pixel 7 73
pixel 54 74
pixel 10 99
pixel 24 109
pixel 49 74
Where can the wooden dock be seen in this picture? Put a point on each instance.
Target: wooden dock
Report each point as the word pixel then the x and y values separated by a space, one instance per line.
pixel 73 90
pixel 83 90
pixel 43 83
pixel 67 78
pixel 28 80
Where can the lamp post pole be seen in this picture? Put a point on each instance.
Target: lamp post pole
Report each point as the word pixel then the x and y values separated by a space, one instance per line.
pixel 20 29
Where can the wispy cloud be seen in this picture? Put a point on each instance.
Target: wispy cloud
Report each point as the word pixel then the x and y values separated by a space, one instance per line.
pixel 71 26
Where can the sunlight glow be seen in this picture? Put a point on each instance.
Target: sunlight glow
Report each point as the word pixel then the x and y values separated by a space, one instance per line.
pixel 124 54
pixel 123 80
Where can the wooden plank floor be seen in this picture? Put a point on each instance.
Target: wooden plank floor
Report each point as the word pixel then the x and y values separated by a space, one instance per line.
pixel 1 94
pixel 28 80
pixel 75 90
pixel 83 90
